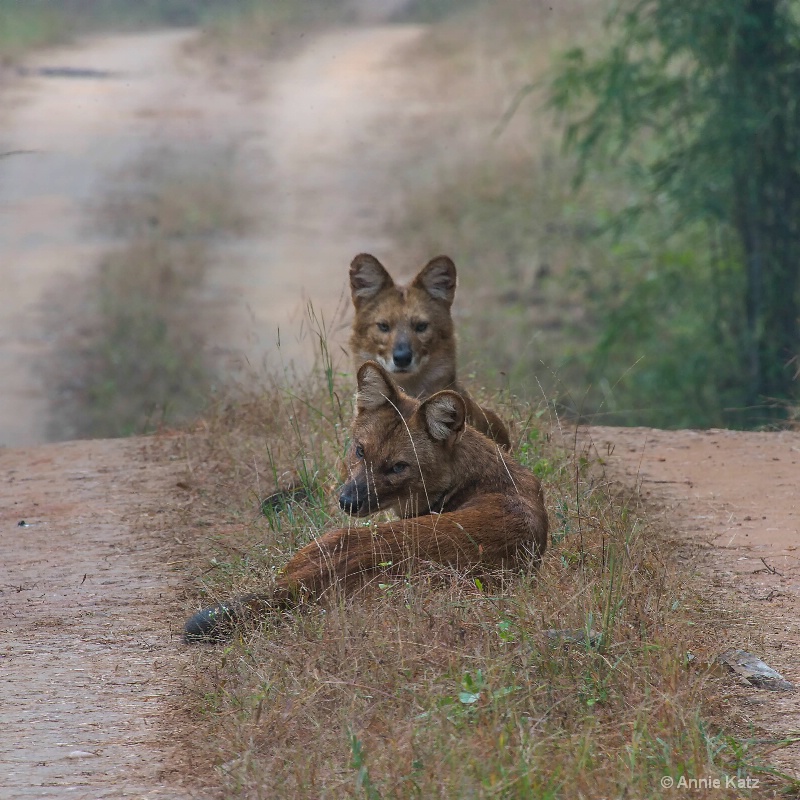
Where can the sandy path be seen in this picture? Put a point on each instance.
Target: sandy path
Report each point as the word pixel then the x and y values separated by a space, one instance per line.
pixel 328 141
pixel 90 660
pixel 315 154
pixel 737 494
pixel 72 134
pixel 88 663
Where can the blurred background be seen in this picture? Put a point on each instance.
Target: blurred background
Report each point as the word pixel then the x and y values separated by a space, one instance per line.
pixel 183 184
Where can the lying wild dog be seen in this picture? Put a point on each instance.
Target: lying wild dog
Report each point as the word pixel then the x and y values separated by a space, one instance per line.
pixel 409 331
pixel 461 502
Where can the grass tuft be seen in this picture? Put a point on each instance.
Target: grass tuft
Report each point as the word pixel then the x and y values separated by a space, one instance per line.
pixel 590 676
pixel 133 352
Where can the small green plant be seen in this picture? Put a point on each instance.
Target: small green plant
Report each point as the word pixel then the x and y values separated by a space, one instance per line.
pixel 364 784
pixel 471 688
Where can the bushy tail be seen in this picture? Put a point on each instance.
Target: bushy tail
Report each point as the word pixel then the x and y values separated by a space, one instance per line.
pixel 495 533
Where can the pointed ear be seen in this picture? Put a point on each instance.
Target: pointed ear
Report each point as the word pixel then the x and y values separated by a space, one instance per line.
pixel 367 278
pixel 375 387
pixel 445 416
pixel 438 279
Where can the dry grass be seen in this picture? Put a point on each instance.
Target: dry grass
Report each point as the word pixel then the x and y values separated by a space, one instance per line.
pixel 133 337
pixel 436 685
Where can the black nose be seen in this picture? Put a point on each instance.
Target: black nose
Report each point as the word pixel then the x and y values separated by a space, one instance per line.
pixel 349 500
pixel 402 355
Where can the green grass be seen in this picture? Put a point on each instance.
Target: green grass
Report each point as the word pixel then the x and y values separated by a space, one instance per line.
pixel 426 11
pixel 28 24
pixel 274 28
pixel 435 684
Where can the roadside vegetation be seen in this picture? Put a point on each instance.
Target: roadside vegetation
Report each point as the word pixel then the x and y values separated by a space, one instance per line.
pixel 591 677
pixel 622 281
pixel 247 24
pixel 257 27
pixel 28 24
pixel 134 351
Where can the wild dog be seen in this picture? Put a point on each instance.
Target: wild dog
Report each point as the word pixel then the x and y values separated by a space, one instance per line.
pixel 409 331
pixel 460 500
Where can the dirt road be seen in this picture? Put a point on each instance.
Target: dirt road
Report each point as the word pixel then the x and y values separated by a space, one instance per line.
pixel 90 670
pixel 326 134
pixel 88 660
pixel 89 657
pixel 68 136
pixel 301 131
pixel 736 495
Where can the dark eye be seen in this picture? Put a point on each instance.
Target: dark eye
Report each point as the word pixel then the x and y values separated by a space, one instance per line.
pixel 399 467
pixel 383 327
pixel 359 451
pixel 421 327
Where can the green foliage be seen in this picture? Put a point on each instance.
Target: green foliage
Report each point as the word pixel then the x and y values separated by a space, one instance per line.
pixel 25 24
pixel 268 25
pixel 695 104
pixel 671 330
pixel 633 326
pixel 35 23
pixel 364 785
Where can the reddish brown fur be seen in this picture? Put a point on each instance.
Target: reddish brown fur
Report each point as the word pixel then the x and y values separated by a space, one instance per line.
pixel 415 322
pixel 461 502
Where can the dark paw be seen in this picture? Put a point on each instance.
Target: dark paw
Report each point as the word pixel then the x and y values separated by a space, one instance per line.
pixel 210 624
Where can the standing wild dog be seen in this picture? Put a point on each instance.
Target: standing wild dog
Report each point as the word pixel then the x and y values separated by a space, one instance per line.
pixel 460 499
pixel 409 331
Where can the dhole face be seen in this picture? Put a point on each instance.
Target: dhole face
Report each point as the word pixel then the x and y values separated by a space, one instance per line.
pixel 408 330
pixel 398 459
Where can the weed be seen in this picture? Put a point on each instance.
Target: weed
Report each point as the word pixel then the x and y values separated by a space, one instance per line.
pixel 363 783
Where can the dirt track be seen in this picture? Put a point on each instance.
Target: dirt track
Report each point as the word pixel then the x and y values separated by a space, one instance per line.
pixel 89 604
pixel 90 661
pixel 312 148
pixel 89 670
pixel 736 495
pixel 67 136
